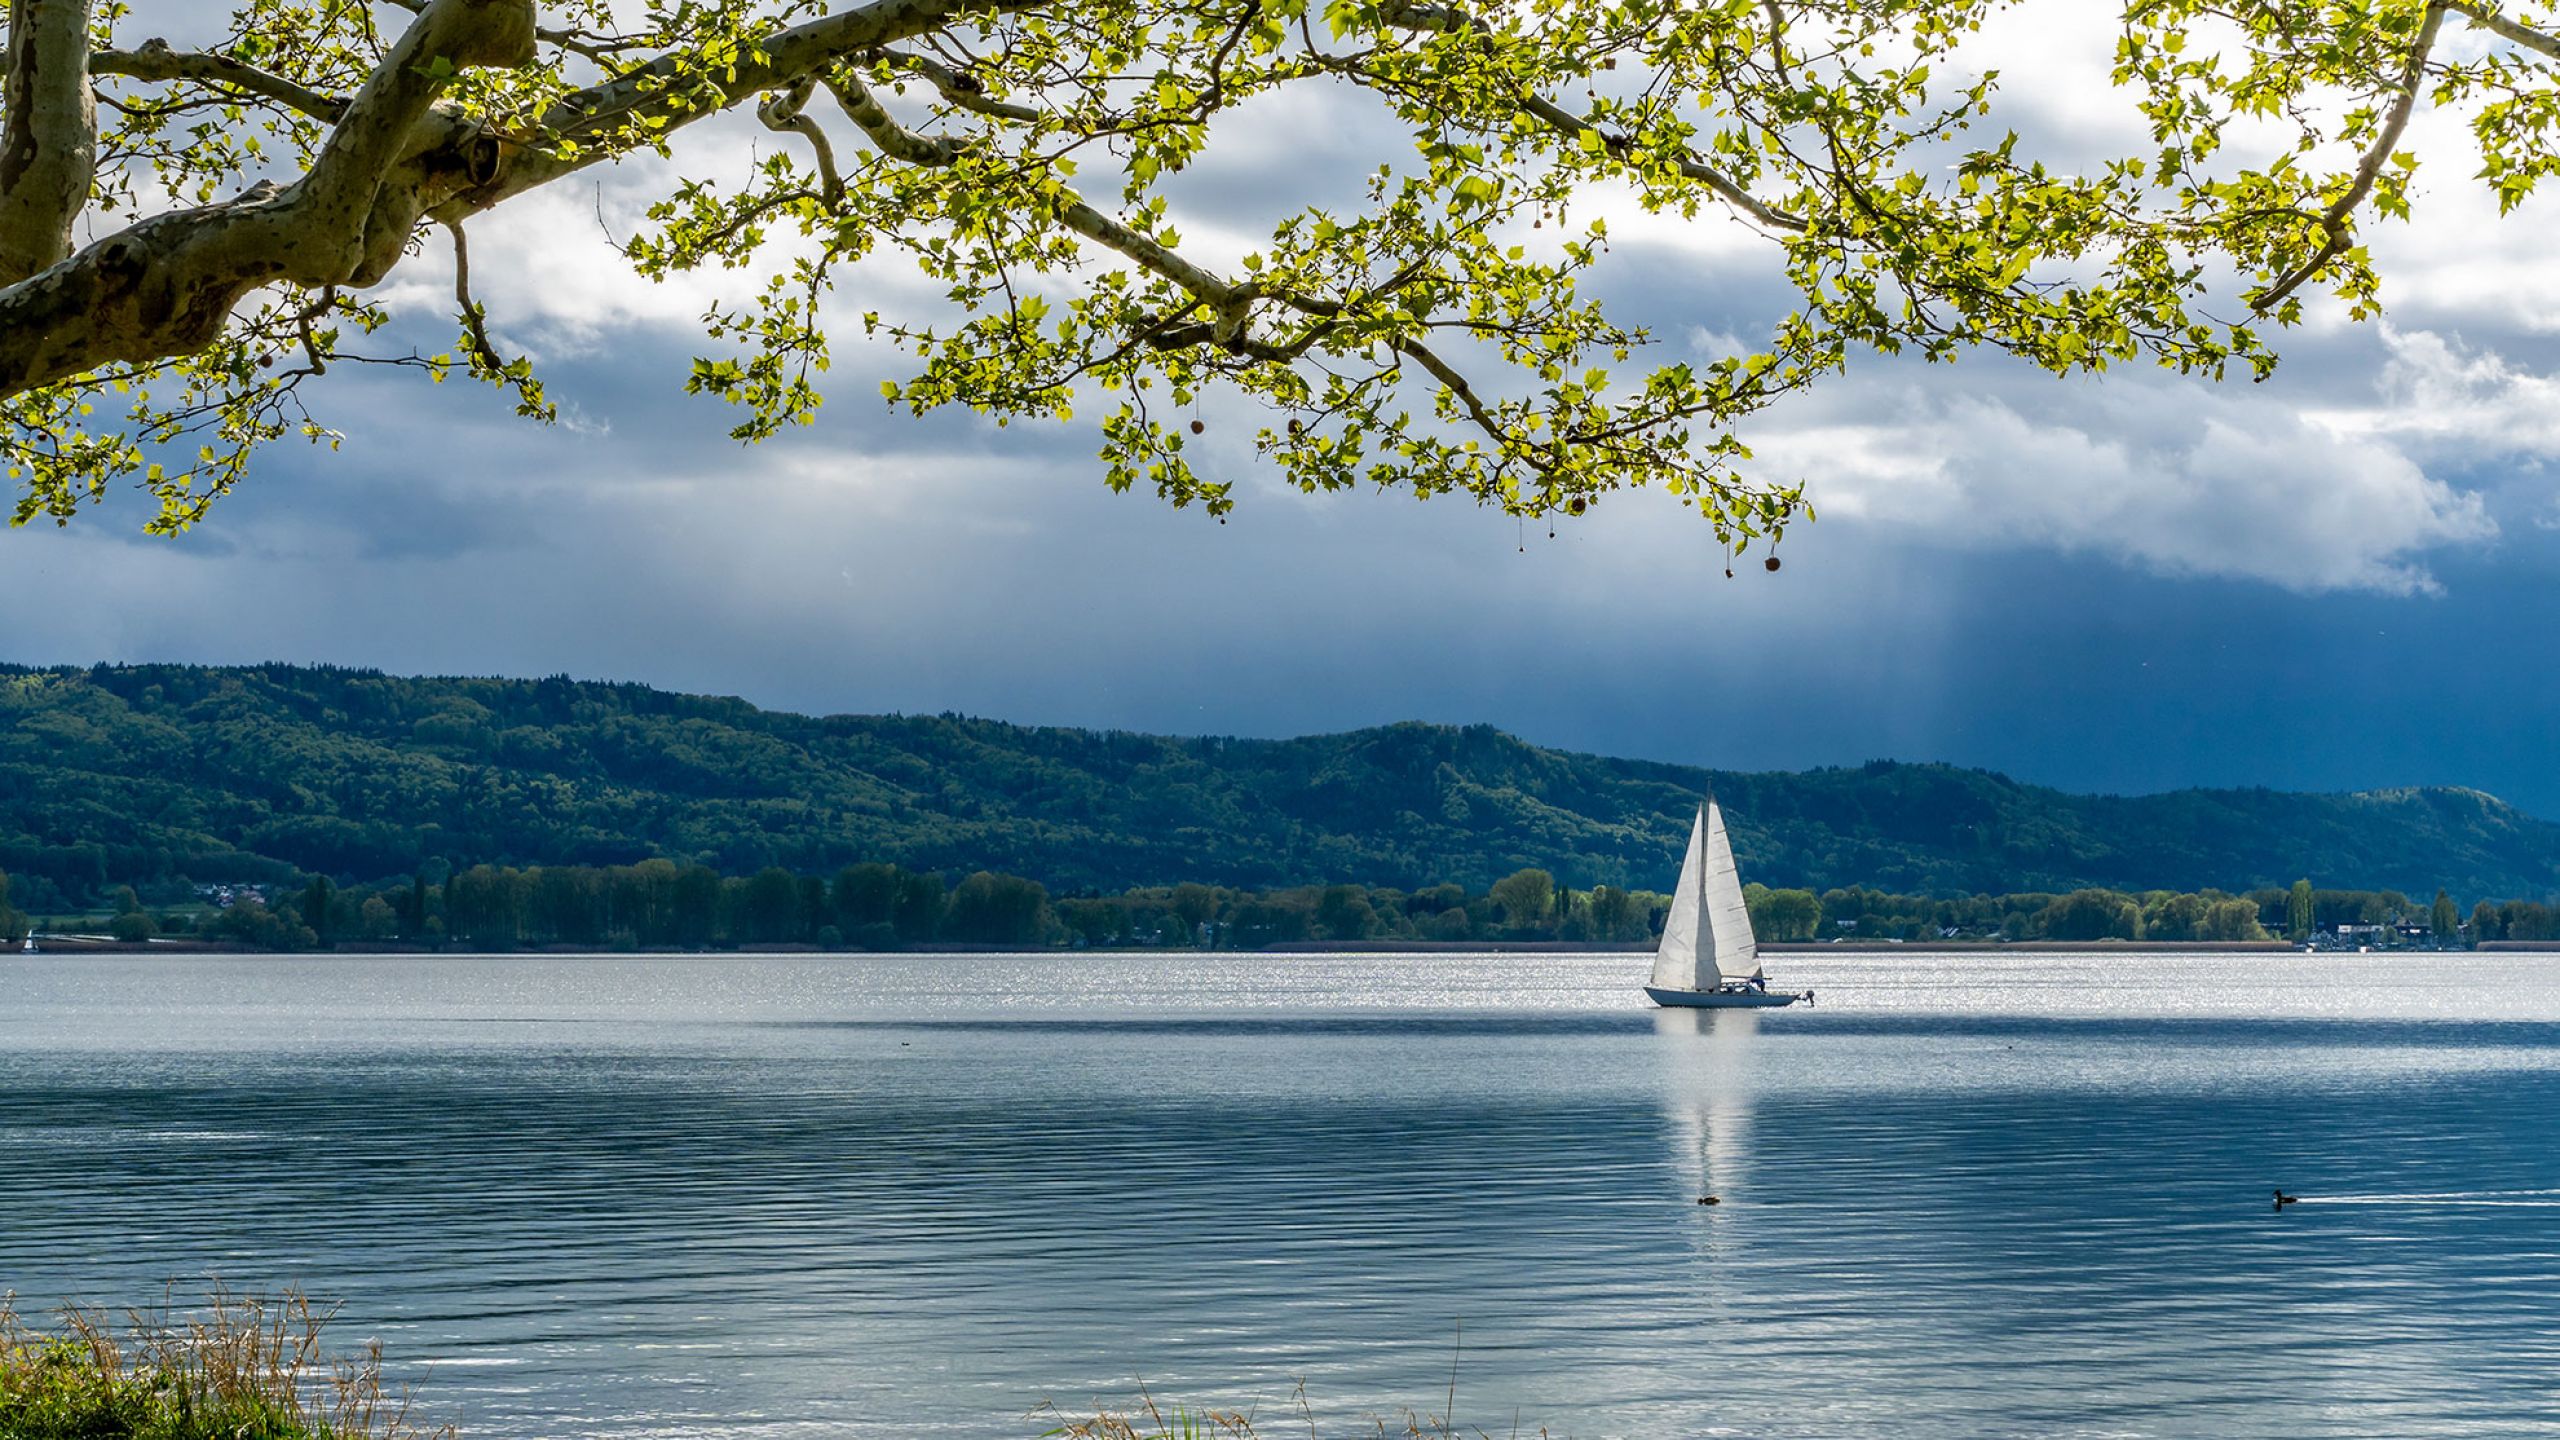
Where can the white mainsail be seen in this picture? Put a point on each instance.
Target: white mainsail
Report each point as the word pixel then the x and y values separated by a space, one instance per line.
pixel 1686 959
pixel 1737 950
pixel 1707 938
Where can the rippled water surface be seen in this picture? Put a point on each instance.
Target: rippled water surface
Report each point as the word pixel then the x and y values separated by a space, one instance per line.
pixel 871 1196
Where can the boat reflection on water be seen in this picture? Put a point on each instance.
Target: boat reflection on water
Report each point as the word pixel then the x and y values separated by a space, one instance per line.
pixel 1706 1100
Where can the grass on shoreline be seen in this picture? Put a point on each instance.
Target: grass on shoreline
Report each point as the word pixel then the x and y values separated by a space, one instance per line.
pixel 240 1368
pixel 243 1367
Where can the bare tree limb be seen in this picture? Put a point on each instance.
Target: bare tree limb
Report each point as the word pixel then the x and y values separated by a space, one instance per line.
pixel 475 319
pixel 784 111
pixel 893 139
pixel 156 62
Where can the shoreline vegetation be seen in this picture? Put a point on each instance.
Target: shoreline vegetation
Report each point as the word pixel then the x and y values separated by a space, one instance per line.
pixel 59 946
pixel 62 946
pixel 240 1367
pixel 660 905
pixel 245 1367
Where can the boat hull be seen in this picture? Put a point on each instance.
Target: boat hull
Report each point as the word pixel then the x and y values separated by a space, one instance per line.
pixel 1720 999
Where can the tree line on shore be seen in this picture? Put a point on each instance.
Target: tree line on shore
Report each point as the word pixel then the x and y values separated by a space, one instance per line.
pixel 665 904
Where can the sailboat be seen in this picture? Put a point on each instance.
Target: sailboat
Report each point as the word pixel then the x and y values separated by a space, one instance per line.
pixel 1708 959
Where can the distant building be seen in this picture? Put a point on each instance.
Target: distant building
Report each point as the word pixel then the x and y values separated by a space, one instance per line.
pixel 223 897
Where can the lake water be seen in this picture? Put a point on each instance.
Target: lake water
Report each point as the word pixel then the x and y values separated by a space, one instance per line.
pixel 871 1196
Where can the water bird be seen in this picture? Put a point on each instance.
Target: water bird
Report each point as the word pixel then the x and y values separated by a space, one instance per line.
pixel 2282 1199
pixel 1709 1200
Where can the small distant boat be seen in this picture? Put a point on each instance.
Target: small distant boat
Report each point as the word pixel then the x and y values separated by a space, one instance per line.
pixel 30 948
pixel 1708 958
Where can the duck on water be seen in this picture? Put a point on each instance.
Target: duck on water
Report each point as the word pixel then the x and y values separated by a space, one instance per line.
pixel 1708 958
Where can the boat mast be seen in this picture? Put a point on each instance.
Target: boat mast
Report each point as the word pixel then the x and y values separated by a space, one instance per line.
pixel 1710 964
pixel 1737 950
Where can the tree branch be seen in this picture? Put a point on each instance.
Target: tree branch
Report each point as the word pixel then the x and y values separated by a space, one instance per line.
pixel 963 93
pixel 1448 19
pixel 1456 384
pixel 900 143
pixel 2490 20
pixel 783 111
pixel 1558 118
pixel 643 106
pixel 49 135
pixel 2333 221
pixel 475 320
pixel 893 139
pixel 600 48
pixel 155 61
pixel 167 285
pixel 448 37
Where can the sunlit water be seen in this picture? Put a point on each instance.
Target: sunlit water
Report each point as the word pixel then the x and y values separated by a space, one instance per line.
pixel 1965 1195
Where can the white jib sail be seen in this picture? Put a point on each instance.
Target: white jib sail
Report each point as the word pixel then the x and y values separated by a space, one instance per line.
pixel 1737 950
pixel 1686 959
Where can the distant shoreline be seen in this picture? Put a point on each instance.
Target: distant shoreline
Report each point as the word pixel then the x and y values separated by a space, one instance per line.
pixel 1872 947
pixel 61 946
pixel 1774 947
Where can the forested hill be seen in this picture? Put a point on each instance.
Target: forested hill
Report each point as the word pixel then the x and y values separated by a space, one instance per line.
pixel 127 774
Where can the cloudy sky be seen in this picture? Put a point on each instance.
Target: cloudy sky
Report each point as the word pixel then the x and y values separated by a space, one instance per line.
pixel 2344 578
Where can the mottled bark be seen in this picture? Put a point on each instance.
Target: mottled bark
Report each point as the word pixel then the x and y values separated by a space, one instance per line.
pixel 166 286
pixel 49 142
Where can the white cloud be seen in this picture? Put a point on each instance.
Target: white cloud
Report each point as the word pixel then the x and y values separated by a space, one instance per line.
pixel 548 264
pixel 2173 478
pixel 2451 397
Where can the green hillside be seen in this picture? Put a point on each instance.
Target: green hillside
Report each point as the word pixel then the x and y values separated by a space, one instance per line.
pixel 138 773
